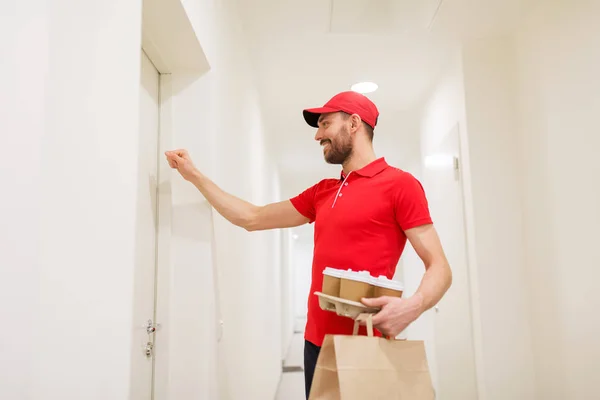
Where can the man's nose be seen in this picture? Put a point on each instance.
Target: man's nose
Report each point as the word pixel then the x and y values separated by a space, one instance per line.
pixel 318 135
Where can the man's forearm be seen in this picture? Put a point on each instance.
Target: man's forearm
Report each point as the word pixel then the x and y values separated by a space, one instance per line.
pixel 434 285
pixel 237 211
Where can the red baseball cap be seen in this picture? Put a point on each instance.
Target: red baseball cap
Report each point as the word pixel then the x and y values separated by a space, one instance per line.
pixel 349 102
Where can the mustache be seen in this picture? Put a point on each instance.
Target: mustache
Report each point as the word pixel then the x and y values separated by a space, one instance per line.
pixel 324 141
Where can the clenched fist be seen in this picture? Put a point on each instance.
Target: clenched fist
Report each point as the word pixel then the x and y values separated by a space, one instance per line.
pixel 181 161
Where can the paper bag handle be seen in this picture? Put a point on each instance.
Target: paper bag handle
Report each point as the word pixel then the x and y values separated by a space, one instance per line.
pixel 368 318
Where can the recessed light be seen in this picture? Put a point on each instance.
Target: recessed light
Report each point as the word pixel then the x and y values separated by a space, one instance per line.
pixel 364 87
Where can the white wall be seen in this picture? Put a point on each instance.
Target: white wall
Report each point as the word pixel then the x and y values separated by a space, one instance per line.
pixel 476 93
pixel 302 255
pixel 531 106
pixel 489 77
pixel 442 110
pixel 69 201
pixel 69 181
pixel 220 122
pixel 559 98
pixel 287 291
pixel 23 45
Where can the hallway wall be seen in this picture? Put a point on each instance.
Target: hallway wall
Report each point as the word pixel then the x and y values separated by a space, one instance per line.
pixel 531 105
pixel 223 130
pixel 68 208
pixel 490 99
pixel 487 134
pixel 69 177
pixel 287 290
pixel 559 97
pixel 22 119
pixel 442 110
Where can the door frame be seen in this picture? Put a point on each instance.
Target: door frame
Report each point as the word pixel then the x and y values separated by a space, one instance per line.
pixel 464 175
pixel 170 42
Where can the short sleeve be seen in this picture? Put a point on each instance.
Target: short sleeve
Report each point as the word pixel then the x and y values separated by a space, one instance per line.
pixel 411 206
pixel 305 203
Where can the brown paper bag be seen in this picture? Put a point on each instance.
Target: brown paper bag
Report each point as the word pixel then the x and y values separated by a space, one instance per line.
pixel 371 368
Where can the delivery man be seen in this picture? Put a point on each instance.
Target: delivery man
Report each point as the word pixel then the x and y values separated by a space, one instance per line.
pixel 362 220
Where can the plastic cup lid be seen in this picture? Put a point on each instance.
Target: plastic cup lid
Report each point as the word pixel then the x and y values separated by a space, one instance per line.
pixel 386 283
pixel 362 276
pixel 336 273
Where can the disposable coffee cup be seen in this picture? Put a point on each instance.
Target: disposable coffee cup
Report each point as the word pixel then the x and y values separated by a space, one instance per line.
pixel 356 285
pixel 331 281
pixel 387 287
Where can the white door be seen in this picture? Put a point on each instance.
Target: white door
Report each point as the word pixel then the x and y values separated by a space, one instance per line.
pixel 453 332
pixel 142 368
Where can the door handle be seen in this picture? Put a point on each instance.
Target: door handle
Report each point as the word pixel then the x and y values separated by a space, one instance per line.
pixel 148 349
pixel 151 327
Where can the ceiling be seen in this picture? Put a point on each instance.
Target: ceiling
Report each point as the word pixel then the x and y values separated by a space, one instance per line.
pixel 305 51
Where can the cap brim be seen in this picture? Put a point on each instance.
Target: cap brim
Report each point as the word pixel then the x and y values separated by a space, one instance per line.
pixel 311 115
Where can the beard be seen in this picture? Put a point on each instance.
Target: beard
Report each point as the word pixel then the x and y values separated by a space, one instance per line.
pixel 339 148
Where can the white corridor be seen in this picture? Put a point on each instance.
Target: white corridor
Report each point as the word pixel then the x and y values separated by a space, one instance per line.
pixel 120 281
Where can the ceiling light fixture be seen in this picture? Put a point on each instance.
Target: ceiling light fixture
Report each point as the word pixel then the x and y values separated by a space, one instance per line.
pixel 364 87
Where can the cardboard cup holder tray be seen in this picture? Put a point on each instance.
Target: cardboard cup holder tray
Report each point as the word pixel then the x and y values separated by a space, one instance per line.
pixel 343 307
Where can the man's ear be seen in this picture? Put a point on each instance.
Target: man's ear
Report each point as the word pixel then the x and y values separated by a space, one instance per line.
pixel 355 122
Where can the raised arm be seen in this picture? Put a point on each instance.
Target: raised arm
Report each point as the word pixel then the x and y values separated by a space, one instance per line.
pixel 237 211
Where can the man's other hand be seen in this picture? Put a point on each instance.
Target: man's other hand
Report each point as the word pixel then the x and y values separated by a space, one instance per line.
pixel 396 313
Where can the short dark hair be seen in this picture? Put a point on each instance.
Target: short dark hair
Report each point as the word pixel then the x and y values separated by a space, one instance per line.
pixel 370 131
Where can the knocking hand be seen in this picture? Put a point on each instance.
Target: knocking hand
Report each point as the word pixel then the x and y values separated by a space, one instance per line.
pixel 181 161
pixel 396 313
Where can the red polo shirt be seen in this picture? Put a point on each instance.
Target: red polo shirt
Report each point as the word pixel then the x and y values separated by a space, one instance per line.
pixel 360 221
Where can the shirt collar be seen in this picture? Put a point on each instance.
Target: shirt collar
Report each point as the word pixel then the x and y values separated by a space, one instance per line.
pixel 370 170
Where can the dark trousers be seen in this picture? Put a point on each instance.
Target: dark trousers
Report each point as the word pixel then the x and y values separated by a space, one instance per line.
pixel 311 353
